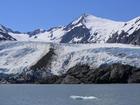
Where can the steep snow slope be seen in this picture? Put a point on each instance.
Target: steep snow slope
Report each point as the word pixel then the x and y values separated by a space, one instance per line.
pixel 100 29
pixel 15 56
pixel 128 34
pixel 131 26
pixel 20 36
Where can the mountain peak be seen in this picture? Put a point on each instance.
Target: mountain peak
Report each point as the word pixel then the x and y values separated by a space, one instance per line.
pixel 84 15
pixel 5 29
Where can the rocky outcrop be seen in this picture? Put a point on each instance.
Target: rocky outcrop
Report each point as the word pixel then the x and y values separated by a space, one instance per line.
pixel 44 62
pixel 35 32
pixel 5 36
pixel 70 80
pixel 134 78
pixel 125 38
pixel 80 74
pixel 116 73
pixel 80 32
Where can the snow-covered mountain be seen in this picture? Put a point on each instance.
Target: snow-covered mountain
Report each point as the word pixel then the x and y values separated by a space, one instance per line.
pixel 128 34
pixel 85 29
pixel 89 28
pixel 4 33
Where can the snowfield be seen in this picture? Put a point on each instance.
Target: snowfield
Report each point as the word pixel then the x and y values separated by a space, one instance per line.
pixel 15 56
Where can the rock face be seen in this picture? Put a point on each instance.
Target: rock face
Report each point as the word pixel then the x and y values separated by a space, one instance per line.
pixel 80 33
pixel 44 62
pixel 125 38
pixel 135 77
pixel 116 73
pixel 128 34
pixel 70 80
pixel 5 36
pixel 80 74
pixel 35 32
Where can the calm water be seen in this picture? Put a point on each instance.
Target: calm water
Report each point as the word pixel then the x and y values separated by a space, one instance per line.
pixel 60 94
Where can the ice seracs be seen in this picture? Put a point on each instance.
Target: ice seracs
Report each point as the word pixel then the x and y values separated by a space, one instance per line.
pixel 17 56
pixel 95 55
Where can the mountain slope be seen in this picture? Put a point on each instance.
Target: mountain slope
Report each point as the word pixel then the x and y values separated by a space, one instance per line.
pixel 128 34
pixel 4 34
pixel 89 28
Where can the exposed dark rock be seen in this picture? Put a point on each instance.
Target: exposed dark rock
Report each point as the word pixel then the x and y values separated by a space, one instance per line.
pixel 80 74
pixel 78 32
pixel 70 80
pixel 115 73
pixel 6 36
pixel 35 32
pixel 120 73
pixel 80 21
pixel 133 38
pixel 44 62
pixel 135 77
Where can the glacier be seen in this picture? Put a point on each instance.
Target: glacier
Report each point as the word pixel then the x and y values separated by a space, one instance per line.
pixel 15 56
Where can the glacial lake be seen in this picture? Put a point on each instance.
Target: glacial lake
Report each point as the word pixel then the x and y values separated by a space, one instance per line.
pixel 111 94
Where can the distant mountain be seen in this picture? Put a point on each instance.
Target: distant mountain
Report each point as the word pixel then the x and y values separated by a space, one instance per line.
pixel 35 32
pixel 4 33
pixel 128 34
pixel 85 29
pixel 90 29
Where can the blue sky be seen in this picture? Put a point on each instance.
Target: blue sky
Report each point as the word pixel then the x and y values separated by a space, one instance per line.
pixel 27 15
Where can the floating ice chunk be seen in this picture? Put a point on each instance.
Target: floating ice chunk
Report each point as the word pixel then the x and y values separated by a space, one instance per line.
pixel 83 97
